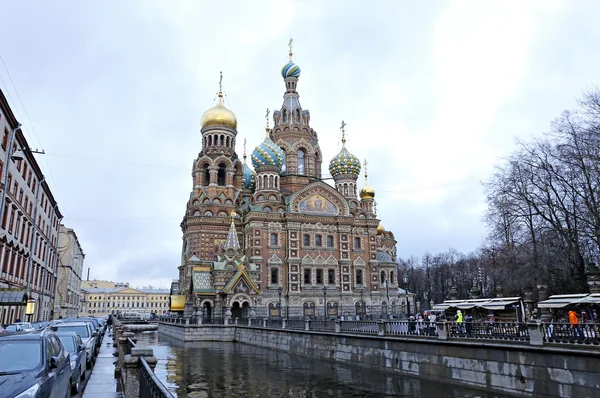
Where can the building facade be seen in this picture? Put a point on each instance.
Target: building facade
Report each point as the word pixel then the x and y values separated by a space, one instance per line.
pixel 278 240
pixel 110 298
pixel 70 266
pixel 29 227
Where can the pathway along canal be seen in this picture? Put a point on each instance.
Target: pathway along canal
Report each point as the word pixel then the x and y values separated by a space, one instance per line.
pixel 236 370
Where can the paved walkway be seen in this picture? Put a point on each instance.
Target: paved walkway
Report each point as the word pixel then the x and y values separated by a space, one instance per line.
pixel 102 383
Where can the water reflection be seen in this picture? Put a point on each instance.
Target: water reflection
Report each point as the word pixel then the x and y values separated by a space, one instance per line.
pixel 237 370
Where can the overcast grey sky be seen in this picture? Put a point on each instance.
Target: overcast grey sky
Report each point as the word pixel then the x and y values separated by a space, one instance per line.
pixel 433 94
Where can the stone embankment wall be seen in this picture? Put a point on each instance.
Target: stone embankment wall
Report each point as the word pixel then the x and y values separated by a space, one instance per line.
pixel 510 368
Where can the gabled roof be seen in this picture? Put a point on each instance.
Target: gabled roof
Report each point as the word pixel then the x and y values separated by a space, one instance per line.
pixel 240 274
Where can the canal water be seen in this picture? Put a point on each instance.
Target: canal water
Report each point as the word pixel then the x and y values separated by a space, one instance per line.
pixel 235 370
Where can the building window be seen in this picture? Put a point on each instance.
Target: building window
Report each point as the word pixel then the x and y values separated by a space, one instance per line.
pixel 5 138
pixel 274 239
pixel 359 277
pixel 274 276
pixel 357 243
pixel 382 278
pixel 330 241
pixel 307 279
pixel 318 241
pixel 391 277
pixel 331 276
pixel 221 175
pixel 306 240
pixel 319 277
pixel 301 162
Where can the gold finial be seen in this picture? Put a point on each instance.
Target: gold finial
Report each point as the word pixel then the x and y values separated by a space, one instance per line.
pixel 244 150
pixel 366 174
pixel 267 128
pixel 290 45
pixel 220 94
pixel 343 128
pixel 233 215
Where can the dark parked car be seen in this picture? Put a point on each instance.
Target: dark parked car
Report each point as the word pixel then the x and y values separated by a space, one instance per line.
pixel 33 365
pixel 74 345
pixel 84 331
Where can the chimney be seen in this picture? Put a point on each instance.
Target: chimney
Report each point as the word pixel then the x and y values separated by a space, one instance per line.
pixel 88 275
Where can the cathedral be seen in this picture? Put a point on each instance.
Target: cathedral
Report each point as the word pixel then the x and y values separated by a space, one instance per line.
pixel 276 239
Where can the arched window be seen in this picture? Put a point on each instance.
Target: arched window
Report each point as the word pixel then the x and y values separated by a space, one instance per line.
pixel 345 189
pixel 382 277
pixel 391 277
pixel 227 142
pixel 222 140
pixel 209 140
pixel 206 175
pixel 301 162
pixel 274 239
pixel 221 174
pixel 271 182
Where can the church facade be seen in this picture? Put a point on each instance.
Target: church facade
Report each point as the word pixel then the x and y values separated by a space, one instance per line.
pixel 277 240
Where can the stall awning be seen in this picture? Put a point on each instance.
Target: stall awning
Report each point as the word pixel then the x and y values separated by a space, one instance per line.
pixel 12 297
pixel 446 304
pixel 500 304
pixel 593 298
pixel 562 300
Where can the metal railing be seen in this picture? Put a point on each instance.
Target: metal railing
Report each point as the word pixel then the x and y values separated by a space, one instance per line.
pixel 564 333
pixel 490 330
pixel 150 385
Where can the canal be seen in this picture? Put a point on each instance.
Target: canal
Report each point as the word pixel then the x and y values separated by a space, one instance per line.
pixel 224 370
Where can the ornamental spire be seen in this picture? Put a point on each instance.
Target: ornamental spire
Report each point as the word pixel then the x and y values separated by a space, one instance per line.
pixel 366 173
pixel 343 128
pixel 290 45
pixel 232 239
pixel 220 94
pixel 267 128
pixel 244 151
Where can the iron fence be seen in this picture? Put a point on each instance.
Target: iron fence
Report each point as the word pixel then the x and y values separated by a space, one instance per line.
pixel 363 327
pixel 150 385
pixel 584 333
pixel 489 330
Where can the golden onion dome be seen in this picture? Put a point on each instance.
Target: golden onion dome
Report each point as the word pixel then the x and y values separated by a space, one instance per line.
pixel 367 192
pixel 219 116
pixel 380 229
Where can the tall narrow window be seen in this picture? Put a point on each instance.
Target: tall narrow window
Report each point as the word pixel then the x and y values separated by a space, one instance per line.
pixel 391 277
pixel 319 277
pixel 382 278
pixel 318 241
pixel 221 175
pixel 330 241
pixel 357 243
pixel 359 277
pixel 331 276
pixel 206 176
pixel 301 162
pixel 307 278
pixel 306 240
pixel 274 239
pixel 274 276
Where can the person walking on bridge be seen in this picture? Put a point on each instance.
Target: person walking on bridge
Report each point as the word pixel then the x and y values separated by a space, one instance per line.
pixel 459 322
pixel 577 332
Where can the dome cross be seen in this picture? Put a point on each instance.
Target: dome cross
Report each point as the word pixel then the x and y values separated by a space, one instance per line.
pixel 290 45
pixel 343 128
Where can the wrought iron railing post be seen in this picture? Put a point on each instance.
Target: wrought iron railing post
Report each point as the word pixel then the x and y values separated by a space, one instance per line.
pixel 381 324
pixel 536 334
pixel 442 330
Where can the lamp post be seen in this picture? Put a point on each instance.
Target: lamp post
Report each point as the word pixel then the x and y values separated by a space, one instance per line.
pixel 405 280
pixel 33 240
pixel 324 302
pixel 279 291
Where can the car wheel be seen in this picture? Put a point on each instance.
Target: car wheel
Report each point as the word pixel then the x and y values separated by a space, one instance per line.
pixel 74 387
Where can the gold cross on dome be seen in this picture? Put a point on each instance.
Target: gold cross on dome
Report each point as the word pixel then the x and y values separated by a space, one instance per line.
pixel 343 128
pixel 290 45
pixel 221 81
pixel 267 116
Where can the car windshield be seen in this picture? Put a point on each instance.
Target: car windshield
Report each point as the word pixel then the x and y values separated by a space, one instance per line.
pixel 19 356
pixel 12 328
pixel 68 343
pixel 81 330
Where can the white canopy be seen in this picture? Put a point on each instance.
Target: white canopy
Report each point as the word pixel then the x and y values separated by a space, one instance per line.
pixel 487 303
pixel 563 300
pixel 593 298
pixel 500 303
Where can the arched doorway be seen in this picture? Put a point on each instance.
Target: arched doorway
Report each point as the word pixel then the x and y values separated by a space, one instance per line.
pixel 245 310
pixel 236 310
pixel 207 313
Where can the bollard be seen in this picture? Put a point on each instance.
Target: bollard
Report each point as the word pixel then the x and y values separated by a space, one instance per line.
pixel 338 326
pixel 122 349
pixel 284 323
pixel 381 324
pixel 236 320
pixel 307 324
pixel 265 322
pixel 249 321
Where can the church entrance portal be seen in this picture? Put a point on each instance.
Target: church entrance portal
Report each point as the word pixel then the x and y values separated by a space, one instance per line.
pixel 207 312
pixel 240 312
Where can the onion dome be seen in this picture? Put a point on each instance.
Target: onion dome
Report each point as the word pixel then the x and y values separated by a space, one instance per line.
pixel 344 162
pixel 290 70
pixel 249 181
pixel 380 229
pixel 367 192
pixel 268 154
pixel 219 116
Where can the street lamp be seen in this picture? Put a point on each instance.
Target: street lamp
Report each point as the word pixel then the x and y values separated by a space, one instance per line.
pixel 324 302
pixel 30 309
pixel 279 291
pixel 405 280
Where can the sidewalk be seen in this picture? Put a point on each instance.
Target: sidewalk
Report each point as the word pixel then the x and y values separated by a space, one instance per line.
pixel 102 383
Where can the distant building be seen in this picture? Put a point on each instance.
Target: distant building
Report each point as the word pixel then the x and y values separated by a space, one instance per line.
pixel 70 267
pixel 29 226
pixel 101 298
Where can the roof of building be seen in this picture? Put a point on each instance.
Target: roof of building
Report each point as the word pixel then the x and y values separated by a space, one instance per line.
pixel 115 290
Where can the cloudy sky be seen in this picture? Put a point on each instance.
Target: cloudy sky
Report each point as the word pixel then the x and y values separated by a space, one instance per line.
pixel 433 96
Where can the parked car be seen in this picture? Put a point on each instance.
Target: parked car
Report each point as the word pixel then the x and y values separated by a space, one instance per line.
pixel 33 365
pixel 20 327
pixel 41 325
pixel 74 345
pixel 88 336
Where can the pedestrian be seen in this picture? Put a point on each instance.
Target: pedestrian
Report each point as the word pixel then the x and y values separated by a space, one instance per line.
pixel 576 330
pixel 459 322
pixel 432 323
pixel 109 323
pixel 468 324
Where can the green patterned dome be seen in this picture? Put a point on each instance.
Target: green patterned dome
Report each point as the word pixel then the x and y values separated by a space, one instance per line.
pixel 344 163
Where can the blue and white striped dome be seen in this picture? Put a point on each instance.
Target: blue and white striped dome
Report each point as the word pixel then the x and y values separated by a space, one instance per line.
pixel 290 70
pixel 249 181
pixel 268 154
